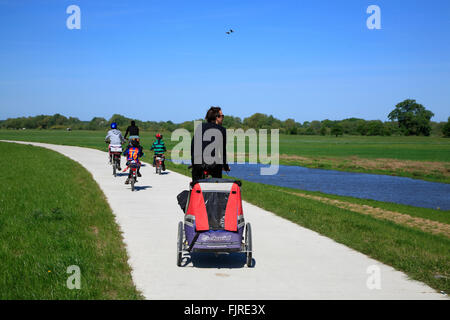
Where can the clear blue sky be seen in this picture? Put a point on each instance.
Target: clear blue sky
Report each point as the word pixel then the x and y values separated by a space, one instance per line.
pixel 171 60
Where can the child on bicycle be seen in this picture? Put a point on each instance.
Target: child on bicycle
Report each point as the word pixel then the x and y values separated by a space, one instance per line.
pixel 133 152
pixel 159 147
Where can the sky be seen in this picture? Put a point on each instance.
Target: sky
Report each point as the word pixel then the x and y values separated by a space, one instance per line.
pixel 172 60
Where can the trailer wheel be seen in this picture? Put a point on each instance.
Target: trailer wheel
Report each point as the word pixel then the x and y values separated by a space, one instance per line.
pixel 248 244
pixel 180 243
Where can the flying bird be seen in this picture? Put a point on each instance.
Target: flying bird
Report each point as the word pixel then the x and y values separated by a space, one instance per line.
pixel 229 32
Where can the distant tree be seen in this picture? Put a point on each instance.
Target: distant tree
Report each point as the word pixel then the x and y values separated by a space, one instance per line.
pixel 446 129
pixel 188 125
pixel 375 128
pixel 323 131
pixel 350 125
pixel 361 127
pixel 289 126
pixel 413 118
pixel 231 122
pixel 315 126
pixel 309 131
pixel 436 128
pixel 327 123
pixel 337 130
pixel 392 128
pixel 255 121
pixel 121 120
pixel 262 121
pixel 97 123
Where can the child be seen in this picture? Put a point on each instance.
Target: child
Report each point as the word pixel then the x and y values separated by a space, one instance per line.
pixel 159 148
pixel 133 152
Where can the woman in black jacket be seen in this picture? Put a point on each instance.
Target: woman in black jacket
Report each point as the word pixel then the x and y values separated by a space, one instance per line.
pixel 133 130
pixel 214 118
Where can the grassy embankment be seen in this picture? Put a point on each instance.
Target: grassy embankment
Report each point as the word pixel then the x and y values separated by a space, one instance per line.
pixel 426 158
pixel 416 244
pixel 411 239
pixel 53 215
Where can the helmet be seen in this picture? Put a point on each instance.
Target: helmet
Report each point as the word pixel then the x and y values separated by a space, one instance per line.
pixel 113 125
pixel 158 136
pixel 135 142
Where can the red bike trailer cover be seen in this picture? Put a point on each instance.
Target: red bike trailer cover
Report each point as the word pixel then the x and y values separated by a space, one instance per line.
pixel 197 208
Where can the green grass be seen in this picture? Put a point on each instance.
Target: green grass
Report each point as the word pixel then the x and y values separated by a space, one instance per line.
pixel 53 215
pixel 82 138
pixel 371 147
pixel 423 256
pixel 323 152
pixel 426 213
pixel 402 148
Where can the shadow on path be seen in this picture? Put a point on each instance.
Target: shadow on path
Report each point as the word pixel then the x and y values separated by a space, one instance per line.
pixel 139 188
pixel 234 260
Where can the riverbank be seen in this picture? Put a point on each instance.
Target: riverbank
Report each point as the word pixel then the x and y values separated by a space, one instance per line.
pixel 424 158
pixel 416 248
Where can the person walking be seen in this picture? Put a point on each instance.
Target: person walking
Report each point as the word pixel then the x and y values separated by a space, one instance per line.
pixel 214 162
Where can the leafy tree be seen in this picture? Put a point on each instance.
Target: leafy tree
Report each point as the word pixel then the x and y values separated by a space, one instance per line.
pixel 413 118
pixel 97 123
pixel 121 120
pixel 337 130
pixel 290 126
pixel 328 123
pixel 375 128
pixel 361 127
pixel 232 122
pixel 262 121
pixel 315 126
pixel 446 129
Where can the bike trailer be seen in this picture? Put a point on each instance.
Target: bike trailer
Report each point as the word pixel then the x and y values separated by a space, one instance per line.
pixel 214 220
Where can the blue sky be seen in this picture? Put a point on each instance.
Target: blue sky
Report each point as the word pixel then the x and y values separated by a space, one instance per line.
pixel 171 60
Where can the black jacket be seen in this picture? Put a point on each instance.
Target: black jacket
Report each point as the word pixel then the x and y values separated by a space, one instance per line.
pixel 132 130
pixel 206 126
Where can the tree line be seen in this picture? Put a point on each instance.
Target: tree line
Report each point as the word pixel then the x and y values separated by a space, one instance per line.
pixel 408 118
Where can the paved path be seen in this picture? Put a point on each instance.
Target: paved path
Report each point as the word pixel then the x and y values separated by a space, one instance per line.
pixel 291 262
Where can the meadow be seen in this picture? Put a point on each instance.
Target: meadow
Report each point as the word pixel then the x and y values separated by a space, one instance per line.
pixel 416 244
pixel 426 158
pixel 52 216
pixel 411 239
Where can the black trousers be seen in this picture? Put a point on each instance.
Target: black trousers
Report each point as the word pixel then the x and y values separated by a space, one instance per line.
pixel 214 170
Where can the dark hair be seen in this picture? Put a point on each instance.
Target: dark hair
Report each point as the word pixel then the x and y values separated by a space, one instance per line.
pixel 212 114
pixel 133 123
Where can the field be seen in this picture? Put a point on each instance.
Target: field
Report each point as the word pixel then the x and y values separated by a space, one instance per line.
pixel 417 244
pixel 411 239
pixel 426 158
pixel 52 216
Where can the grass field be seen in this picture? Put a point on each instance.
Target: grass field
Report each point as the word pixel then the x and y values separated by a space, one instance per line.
pixel 422 255
pixel 413 240
pixel 426 158
pixel 53 215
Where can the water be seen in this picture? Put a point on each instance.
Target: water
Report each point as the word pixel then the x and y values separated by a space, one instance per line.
pixel 384 188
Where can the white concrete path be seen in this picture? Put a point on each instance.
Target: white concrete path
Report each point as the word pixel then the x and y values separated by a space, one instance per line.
pixel 291 262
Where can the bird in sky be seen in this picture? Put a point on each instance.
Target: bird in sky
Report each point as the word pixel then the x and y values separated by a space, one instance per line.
pixel 229 32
